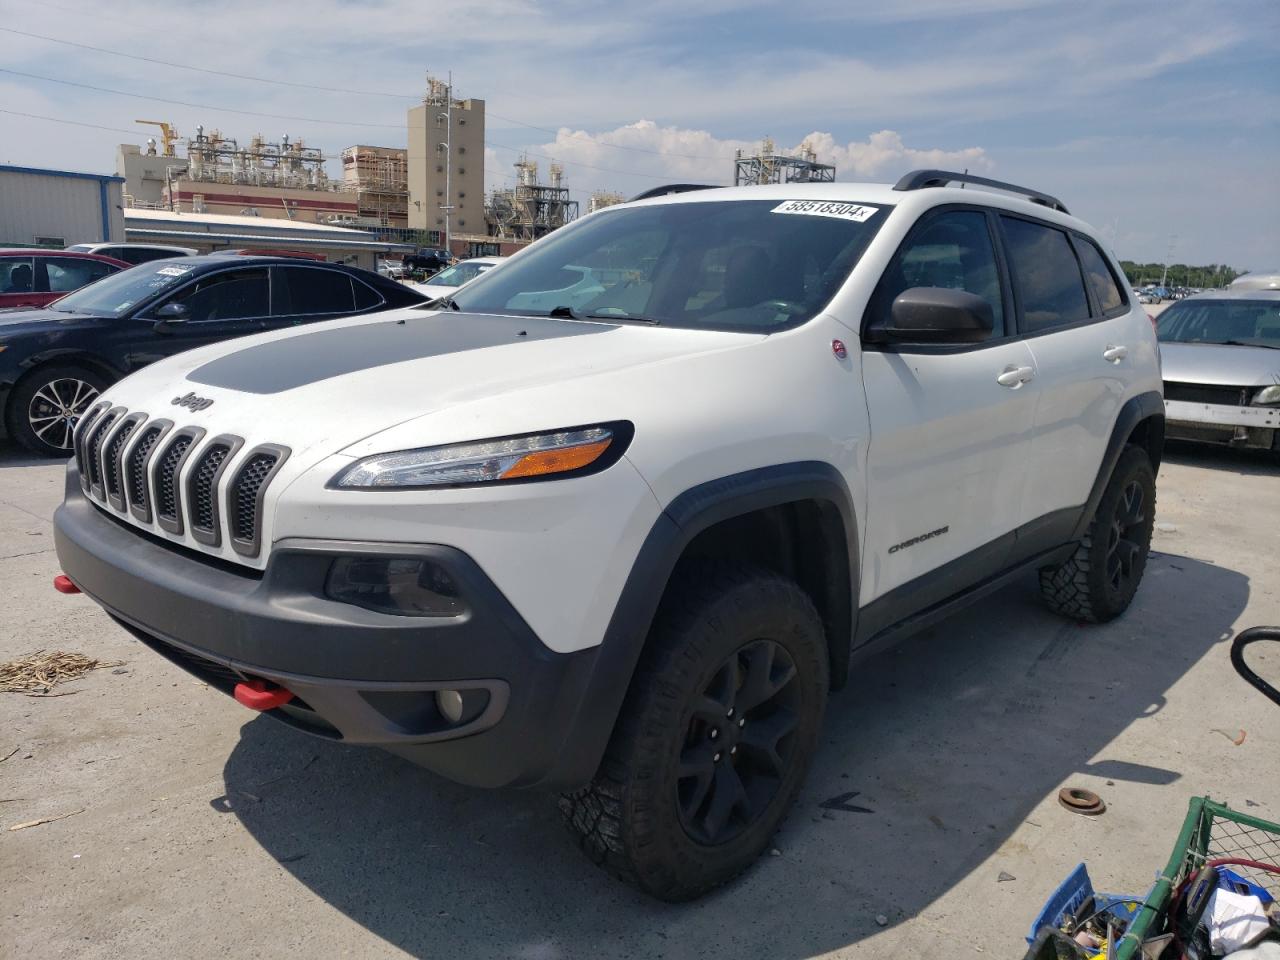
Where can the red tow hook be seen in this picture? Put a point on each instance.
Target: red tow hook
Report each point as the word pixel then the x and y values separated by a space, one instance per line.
pixel 260 695
pixel 62 583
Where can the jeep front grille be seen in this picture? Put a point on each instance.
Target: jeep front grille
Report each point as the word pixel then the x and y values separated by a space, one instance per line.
pixel 140 466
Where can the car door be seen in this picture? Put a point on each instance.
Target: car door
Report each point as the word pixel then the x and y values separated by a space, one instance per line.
pixel 1075 323
pixel 949 426
pixel 304 294
pixel 18 283
pixel 222 305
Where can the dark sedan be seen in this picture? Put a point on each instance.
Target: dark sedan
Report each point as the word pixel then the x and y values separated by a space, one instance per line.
pixel 54 361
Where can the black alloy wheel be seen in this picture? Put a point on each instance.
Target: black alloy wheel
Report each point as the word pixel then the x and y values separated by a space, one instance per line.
pixel 1125 541
pixel 739 743
pixel 56 407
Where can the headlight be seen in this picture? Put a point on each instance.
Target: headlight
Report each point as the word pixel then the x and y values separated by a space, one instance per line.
pixel 1268 396
pixel 537 456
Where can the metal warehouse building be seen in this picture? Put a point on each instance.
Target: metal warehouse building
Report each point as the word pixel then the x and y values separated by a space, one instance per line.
pixel 56 208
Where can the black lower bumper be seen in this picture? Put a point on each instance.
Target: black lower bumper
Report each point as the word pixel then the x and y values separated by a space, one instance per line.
pixel 358 675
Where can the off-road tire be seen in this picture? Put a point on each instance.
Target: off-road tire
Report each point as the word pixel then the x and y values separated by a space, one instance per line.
pixel 629 820
pixel 20 403
pixel 1082 588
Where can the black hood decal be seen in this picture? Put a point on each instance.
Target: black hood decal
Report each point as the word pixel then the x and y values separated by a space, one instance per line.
pixel 325 353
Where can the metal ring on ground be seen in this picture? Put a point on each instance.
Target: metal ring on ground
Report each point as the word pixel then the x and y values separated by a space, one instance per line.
pixel 1079 800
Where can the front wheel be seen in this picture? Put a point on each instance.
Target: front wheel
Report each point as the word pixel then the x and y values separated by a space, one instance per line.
pixel 1099 580
pixel 715 737
pixel 45 407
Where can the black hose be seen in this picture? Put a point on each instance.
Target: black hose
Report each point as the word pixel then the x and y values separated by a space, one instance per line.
pixel 1246 637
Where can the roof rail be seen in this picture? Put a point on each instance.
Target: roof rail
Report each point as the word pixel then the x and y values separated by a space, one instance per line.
pixel 671 188
pixel 919 179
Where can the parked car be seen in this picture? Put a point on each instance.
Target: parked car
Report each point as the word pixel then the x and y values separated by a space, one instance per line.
pixel 430 259
pixel 391 269
pixel 1221 367
pixel 618 519
pixel 135 253
pixel 54 361
pixel 1269 280
pixel 454 278
pixel 32 278
pixel 1148 296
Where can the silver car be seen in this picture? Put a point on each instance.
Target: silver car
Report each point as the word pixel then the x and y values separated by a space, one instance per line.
pixel 1220 353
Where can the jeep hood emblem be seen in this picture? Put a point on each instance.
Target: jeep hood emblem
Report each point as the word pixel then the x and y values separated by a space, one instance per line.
pixel 192 402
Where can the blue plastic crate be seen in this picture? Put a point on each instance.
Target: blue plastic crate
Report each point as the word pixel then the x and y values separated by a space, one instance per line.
pixel 1071 895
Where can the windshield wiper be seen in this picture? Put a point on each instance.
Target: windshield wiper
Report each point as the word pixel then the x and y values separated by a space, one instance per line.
pixel 1248 343
pixel 569 313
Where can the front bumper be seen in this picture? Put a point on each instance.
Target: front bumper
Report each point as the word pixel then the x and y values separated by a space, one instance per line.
pixel 1257 427
pixel 362 677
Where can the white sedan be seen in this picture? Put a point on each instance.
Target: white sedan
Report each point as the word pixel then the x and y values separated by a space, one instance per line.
pixel 459 275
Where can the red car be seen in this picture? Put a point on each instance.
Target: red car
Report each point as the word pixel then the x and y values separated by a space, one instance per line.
pixel 36 278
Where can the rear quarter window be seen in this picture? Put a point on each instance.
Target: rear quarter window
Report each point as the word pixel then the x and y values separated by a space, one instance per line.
pixel 1097 273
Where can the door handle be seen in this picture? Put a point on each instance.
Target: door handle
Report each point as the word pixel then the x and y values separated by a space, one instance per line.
pixel 1115 354
pixel 1015 377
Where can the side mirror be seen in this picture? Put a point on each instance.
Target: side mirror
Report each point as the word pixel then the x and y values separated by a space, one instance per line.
pixel 938 315
pixel 172 313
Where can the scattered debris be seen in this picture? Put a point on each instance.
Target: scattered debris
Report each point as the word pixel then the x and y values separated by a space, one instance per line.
pixel 291 859
pixel 937 821
pixel 9 754
pixel 1251 803
pixel 120 670
pixel 1237 739
pixel 38 673
pixel 1005 877
pixel 881 920
pixel 842 803
pixel 1079 800
pixel 1167 527
pixel 36 823
pixel 775 852
pixel 101 759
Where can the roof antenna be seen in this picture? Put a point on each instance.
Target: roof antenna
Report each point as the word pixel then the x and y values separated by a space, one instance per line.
pixel 966 173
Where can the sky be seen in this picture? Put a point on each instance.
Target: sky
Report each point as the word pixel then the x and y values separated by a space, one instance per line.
pixel 1158 122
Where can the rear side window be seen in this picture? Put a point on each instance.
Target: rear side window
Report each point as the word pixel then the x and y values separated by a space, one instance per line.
pixel 366 296
pixel 66 274
pixel 952 249
pixel 311 290
pixel 1047 275
pixel 1106 290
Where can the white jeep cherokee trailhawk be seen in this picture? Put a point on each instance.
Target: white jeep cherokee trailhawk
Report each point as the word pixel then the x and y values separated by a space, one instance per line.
pixel 617 517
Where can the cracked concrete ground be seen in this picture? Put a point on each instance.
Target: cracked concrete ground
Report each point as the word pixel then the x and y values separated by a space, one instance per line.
pixel 198 829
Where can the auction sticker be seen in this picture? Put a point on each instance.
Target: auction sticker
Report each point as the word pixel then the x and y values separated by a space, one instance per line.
pixel 857 212
pixel 173 271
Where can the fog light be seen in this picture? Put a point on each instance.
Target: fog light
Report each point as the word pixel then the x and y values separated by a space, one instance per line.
pixel 407 586
pixel 449 703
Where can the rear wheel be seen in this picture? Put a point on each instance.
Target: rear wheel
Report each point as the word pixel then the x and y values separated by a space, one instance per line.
pixel 45 407
pixel 1099 580
pixel 715 737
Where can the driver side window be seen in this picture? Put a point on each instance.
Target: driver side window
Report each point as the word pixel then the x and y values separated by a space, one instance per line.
pixel 230 295
pixel 952 249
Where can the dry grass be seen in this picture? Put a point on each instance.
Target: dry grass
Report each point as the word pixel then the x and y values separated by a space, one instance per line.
pixel 41 671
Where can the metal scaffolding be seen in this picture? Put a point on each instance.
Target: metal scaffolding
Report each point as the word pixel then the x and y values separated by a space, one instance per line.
pixel 380 179
pixel 213 158
pixel 768 166
pixel 530 210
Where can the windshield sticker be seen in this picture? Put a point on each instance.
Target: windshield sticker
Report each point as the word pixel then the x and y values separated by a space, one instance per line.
pixel 173 271
pixel 124 306
pixel 857 212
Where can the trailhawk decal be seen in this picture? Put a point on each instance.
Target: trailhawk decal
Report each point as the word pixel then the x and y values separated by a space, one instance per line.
pixel 920 539
pixel 857 212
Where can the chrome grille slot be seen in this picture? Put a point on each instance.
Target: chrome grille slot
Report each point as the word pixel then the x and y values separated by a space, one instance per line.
pixel 80 438
pixel 202 488
pixel 93 449
pixel 136 466
pixel 245 494
pixel 111 468
pixel 168 465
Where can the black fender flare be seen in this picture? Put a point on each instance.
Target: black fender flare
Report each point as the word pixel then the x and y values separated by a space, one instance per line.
pixel 1142 407
pixel 684 518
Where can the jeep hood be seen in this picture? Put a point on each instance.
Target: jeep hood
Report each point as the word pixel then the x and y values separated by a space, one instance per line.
pixel 324 387
pixel 1220 363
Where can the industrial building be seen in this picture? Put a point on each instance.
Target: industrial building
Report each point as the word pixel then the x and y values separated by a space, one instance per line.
pixel 769 166
pixel 446 163
pixel 56 208
pixel 208 232
pixel 379 177
pixel 530 210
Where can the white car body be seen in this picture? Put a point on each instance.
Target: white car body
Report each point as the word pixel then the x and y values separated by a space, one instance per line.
pixel 949 452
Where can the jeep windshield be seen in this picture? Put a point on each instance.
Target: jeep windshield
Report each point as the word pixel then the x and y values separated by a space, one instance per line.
pixel 116 295
pixel 1254 323
pixel 749 265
